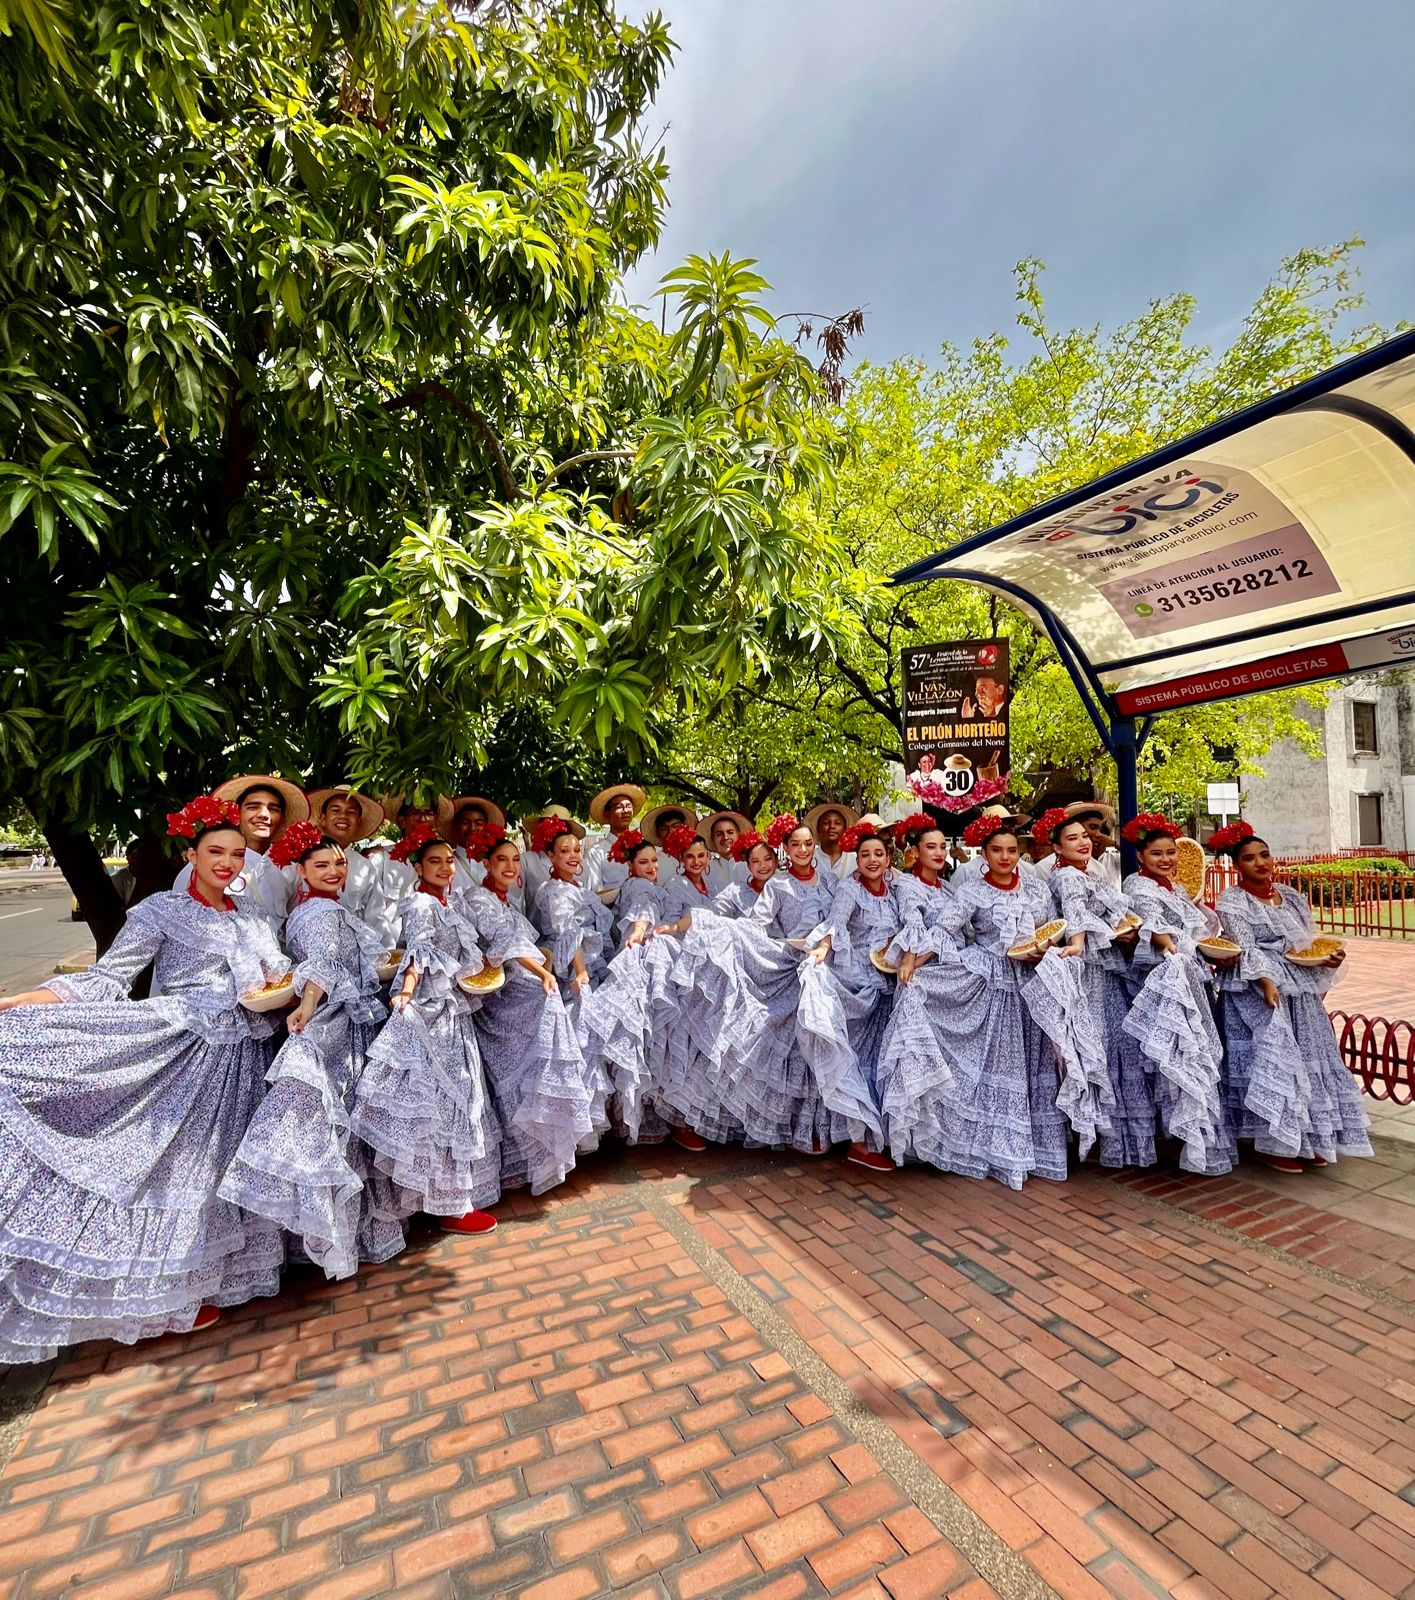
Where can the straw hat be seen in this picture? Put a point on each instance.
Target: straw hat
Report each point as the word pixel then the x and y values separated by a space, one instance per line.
pixel 647 822
pixel 600 804
pixel 814 815
pixel 448 809
pixel 297 807
pixel 554 811
pixel 873 818
pixel 706 826
pixel 1083 808
pixel 370 812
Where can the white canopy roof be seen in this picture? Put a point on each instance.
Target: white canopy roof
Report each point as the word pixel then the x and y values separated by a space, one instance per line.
pixel 1275 547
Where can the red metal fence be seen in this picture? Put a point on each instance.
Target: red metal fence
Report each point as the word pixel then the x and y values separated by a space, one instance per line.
pixel 1380 1053
pixel 1365 903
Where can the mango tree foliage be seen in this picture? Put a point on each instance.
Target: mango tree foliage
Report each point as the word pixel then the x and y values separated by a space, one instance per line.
pixel 324 431
pixel 942 452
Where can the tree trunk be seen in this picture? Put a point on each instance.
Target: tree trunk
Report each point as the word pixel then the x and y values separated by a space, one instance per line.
pixel 83 868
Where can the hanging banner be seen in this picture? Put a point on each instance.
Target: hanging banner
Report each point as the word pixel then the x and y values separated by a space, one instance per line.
pixel 957 700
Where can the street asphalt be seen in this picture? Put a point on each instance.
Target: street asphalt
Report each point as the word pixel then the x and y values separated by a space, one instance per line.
pixel 36 933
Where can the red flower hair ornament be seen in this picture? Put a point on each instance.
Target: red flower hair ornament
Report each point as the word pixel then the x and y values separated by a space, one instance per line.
pixel 781 829
pixel 296 840
pixel 1227 841
pixel 548 830
pixel 484 839
pixel 853 838
pixel 981 829
pixel 745 843
pixel 630 839
pixel 1148 825
pixel 411 846
pixel 908 829
pixel 1050 821
pixel 200 815
pixel 680 841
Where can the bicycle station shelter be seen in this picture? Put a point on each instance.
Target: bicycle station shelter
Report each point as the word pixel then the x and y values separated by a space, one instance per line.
pixel 1271 549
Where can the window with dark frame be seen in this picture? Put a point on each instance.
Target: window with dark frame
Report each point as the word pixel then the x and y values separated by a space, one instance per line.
pixel 1363 728
pixel 1368 819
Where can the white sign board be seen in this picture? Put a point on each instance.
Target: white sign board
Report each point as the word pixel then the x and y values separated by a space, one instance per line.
pixel 1222 798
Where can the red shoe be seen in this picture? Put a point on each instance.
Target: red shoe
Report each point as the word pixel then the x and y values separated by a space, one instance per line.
pixel 816 1150
pixel 1282 1164
pixel 1318 1161
pixel 873 1159
pixel 686 1139
pixel 473 1222
pixel 205 1318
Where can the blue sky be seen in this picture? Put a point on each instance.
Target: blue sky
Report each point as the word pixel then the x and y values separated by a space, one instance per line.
pixel 904 154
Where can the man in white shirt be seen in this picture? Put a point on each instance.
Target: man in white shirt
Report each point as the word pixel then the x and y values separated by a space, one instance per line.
pixel 614 809
pixel 720 832
pixel 348 817
pixel 658 824
pixel 1099 819
pixel 828 823
pixel 265 806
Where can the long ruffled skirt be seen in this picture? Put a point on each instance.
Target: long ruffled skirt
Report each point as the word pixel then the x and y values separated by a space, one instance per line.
pixel 549 1101
pixel 1171 1019
pixel 968 1080
pixel 301 1167
pixel 794 1080
pixel 423 1108
pixel 1285 1085
pixel 116 1124
pixel 1129 1141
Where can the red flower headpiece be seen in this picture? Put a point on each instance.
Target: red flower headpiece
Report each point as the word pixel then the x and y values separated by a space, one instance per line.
pixel 1146 826
pixel 198 815
pixel 629 840
pixel 981 829
pixel 781 829
pixel 908 829
pixel 297 838
pixel 680 841
pixel 548 830
pixel 1048 823
pixel 745 843
pixel 415 841
pixel 853 838
pixel 483 839
pixel 1226 841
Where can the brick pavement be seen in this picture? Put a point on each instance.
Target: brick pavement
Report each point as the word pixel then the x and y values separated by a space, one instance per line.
pixel 741 1376
pixel 1378 979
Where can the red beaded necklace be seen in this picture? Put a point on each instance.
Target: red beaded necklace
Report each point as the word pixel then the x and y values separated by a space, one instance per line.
pixel 1164 883
pixel 869 888
pixel 320 894
pixel 1270 897
pixel 426 888
pixel 697 883
pixel 801 876
pixel 1006 888
pixel 227 903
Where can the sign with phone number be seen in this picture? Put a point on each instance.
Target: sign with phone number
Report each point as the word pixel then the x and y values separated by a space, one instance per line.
pixel 1260 573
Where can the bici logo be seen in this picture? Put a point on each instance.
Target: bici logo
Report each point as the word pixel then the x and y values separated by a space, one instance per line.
pixel 1154 504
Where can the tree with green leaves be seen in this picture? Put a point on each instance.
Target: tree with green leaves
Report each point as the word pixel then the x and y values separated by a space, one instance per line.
pixel 326 435
pixel 942 452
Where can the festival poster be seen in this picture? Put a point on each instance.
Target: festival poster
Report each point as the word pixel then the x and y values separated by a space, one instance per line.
pixel 957 700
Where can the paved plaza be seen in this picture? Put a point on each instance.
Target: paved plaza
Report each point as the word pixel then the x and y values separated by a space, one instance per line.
pixel 737 1374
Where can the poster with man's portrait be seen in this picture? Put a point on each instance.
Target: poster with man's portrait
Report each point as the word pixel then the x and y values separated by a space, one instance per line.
pixel 956 705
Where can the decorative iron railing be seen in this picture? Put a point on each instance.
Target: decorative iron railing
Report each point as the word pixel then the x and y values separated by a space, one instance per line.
pixel 1380 1052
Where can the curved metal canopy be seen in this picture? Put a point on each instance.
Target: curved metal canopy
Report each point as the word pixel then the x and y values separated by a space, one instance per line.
pixel 1275 547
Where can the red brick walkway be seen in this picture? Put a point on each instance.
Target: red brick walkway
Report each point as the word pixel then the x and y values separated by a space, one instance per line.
pixel 747 1377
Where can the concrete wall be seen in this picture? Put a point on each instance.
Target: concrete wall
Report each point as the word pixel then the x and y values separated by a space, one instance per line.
pixel 1304 805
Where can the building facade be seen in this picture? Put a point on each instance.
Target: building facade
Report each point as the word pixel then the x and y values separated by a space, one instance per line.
pixel 1360 792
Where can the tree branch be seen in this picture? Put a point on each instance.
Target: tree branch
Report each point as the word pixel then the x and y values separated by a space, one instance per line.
pixel 431 389
pixel 579 461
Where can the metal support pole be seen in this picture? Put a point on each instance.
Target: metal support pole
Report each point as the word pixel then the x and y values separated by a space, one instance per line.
pixel 1127 788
